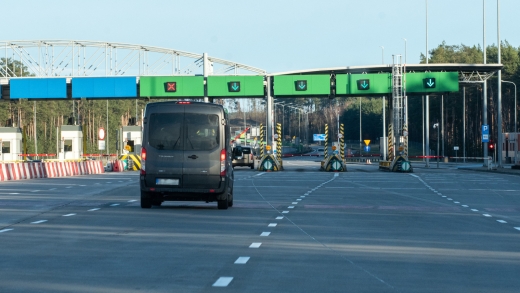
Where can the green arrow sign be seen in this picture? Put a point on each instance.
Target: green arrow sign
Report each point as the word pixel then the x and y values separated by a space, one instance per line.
pixel 300 85
pixel 363 84
pixel 234 86
pixel 429 83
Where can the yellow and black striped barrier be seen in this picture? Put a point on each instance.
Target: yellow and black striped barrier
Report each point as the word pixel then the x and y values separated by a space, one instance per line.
pixel 135 159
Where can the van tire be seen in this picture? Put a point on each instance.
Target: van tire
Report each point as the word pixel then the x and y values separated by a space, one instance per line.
pixel 146 201
pixel 223 204
pixel 253 166
pixel 230 198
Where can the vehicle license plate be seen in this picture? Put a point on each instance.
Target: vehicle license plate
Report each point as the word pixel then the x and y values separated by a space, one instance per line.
pixel 166 181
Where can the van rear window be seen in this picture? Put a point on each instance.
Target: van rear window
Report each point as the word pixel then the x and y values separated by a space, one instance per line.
pixel 189 131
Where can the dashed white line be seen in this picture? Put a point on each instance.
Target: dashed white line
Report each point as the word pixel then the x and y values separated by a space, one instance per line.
pixel 114 205
pixel 285 212
pixel 69 215
pixel 444 196
pixel 255 245
pixel 272 225
pixel 5 230
pixel 82 185
pixel 502 221
pixel 132 200
pixel 486 215
pixel 95 209
pixel 39 222
pixel 223 282
pixel 52 189
pixel 475 210
pixel 299 199
pixel 265 234
pixel 449 199
pixel 303 196
pixel 68 187
pixel 290 207
pixel 517 228
pixel 14 193
pixel 242 260
pixel 35 191
pixel 279 218
pixel 294 202
pixel 456 202
pixel 466 206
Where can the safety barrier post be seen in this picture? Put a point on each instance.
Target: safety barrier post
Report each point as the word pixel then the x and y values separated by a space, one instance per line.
pixel 342 141
pixel 390 143
pixel 405 141
pixel 279 143
pixel 326 148
pixel 262 135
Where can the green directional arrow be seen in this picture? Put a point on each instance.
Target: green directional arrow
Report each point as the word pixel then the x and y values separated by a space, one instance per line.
pixel 301 85
pixel 363 84
pixel 234 86
pixel 429 83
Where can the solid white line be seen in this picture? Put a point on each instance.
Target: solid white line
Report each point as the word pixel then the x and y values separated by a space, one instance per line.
pixel 517 228
pixel 285 212
pixel 69 215
pixel 13 193
pixel 474 210
pixel 255 245
pixel 279 218
pixel 114 205
pixel 223 282
pixel 259 174
pixel 92 210
pixel 242 260
pixel 502 221
pixel 486 215
pixel 39 222
pixel 133 200
pixel 52 189
pixel 35 191
pixel 264 234
pixel 290 207
pixel 272 225
pixel 465 206
pixel 5 230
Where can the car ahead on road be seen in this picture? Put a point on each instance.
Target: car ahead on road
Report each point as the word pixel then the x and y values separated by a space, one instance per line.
pixel 243 156
pixel 320 152
pixel 186 154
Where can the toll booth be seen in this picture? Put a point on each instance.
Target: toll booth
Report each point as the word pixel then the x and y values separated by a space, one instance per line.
pixel 71 142
pixel 10 144
pixel 510 148
pixel 131 140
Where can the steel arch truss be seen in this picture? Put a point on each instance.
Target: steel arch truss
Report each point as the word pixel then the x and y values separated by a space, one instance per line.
pixel 48 58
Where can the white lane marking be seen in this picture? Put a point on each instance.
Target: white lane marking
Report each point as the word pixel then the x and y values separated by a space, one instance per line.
pixel 449 199
pixel 265 234
pixel 82 185
pixel 69 215
pixel 255 245
pixel 13 193
pixel 119 181
pixel 502 221
pixel 35 191
pixel 466 206
pixel 475 210
pixel 223 282
pixel 290 207
pixel 272 225
pixel 517 228
pixel 299 199
pixel 114 205
pixel 259 174
pixel 336 175
pixel 68 187
pixel 285 212
pixel 306 193
pixel 133 200
pixel 39 222
pixel 456 202
pixel 109 182
pixel 486 215
pixel 52 189
pixel 5 230
pixel 242 260
pixel 279 218
pixel 302 196
pixel 414 175
pixel 92 210
pixel 444 196
pixel 294 202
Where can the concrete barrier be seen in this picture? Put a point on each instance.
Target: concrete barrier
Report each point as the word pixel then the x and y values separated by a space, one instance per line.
pixel 32 170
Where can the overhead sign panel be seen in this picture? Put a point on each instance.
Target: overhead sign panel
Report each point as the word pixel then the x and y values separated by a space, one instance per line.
pixel 171 86
pixel 235 86
pixel 300 85
pixel 364 84
pixel 104 87
pixel 38 88
pixel 432 82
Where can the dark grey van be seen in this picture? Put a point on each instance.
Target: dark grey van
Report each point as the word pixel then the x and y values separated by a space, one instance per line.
pixel 186 154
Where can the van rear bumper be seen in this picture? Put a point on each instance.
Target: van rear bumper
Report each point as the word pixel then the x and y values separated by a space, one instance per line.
pixel 195 194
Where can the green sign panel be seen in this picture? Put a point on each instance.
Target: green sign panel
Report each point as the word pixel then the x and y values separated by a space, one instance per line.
pixel 302 85
pixel 364 84
pixel 171 86
pixel 432 82
pixel 235 86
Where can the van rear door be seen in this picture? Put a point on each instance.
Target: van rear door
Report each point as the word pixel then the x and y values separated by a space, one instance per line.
pixel 202 146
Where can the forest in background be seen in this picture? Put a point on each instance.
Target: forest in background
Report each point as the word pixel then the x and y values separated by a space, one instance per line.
pixel 50 115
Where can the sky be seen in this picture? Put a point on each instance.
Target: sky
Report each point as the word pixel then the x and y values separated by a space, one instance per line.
pixel 274 35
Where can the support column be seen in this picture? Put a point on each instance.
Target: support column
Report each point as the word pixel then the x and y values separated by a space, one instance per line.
pixel 427 129
pixel 270 122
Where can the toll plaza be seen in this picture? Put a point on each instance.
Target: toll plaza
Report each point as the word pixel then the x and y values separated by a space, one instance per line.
pixel 10 144
pixel 71 147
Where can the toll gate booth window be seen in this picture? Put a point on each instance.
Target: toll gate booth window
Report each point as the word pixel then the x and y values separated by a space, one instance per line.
pixel 6 147
pixel 67 146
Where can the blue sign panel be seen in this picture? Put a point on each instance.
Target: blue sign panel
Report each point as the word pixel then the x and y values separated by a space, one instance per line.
pixel 485 133
pixel 366 148
pixel 38 88
pixel 104 87
pixel 318 137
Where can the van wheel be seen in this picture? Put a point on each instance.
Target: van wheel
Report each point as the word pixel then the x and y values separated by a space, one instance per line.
pixel 222 204
pixel 252 166
pixel 146 201
pixel 230 199
pixel 157 203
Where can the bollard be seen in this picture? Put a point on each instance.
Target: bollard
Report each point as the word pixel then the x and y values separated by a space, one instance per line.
pixel 326 148
pixel 342 141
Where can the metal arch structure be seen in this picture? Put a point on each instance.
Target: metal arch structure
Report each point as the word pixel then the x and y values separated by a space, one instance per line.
pixel 71 58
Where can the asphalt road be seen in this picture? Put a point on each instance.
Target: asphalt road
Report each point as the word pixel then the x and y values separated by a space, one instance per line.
pixel 300 230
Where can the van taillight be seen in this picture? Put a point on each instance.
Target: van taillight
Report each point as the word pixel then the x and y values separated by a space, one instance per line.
pixel 183 102
pixel 223 163
pixel 143 161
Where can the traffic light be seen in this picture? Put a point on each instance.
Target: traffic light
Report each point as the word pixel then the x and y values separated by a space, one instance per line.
pixel 491 146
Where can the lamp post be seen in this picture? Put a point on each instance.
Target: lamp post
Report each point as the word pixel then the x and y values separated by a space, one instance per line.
pixel 514 128
pixel 436 125
pixel 382 54
pixel 404 50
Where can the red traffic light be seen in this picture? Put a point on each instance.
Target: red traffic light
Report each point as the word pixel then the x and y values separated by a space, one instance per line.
pixel 491 145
